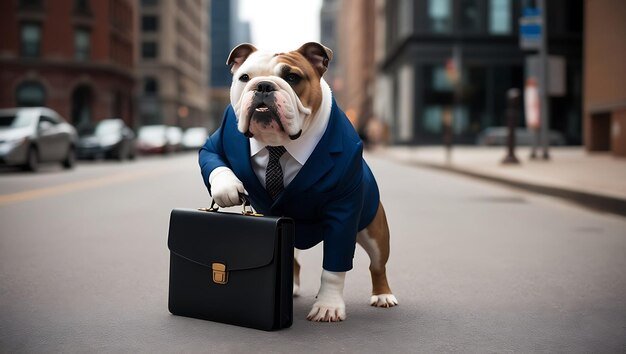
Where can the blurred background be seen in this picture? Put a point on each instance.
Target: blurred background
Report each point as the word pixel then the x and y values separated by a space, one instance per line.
pixel 493 250
pixel 404 70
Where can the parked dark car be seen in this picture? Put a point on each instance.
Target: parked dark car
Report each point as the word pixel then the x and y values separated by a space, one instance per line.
pixel 29 136
pixel 111 138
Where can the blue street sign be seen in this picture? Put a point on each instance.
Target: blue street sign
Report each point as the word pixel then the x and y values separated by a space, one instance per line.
pixel 531 11
pixel 530 29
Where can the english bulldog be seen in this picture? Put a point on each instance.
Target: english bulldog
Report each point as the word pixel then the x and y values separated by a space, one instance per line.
pixel 283 113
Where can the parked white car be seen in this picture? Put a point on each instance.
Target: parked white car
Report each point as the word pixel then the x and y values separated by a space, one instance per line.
pixel 194 138
pixel 159 139
pixel 174 138
pixel 30 136
pixel 152 139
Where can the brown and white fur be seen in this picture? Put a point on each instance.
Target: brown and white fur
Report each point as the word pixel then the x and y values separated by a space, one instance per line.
pixel 299 105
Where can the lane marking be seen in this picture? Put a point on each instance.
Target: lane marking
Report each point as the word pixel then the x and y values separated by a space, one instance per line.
pixel 39 193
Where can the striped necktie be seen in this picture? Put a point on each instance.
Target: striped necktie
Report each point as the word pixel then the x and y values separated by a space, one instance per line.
pixel 274 173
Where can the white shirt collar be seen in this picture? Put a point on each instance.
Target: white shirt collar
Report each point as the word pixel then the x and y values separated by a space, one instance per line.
pixel 302 148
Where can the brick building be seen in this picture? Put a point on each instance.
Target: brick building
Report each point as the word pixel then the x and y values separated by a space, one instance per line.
pixel 329 34
pixel 605 76
pixel 74 56
pixel 356 73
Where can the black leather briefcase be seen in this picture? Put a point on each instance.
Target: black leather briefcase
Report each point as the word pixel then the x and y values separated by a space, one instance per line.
pixel 231 268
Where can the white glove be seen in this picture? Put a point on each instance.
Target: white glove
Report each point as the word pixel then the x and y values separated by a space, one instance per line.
pixel 225 187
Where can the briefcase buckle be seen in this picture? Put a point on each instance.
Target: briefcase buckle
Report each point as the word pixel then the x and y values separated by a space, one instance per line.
pixel 220 275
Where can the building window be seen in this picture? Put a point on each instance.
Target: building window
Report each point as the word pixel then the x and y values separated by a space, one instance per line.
pixel 440 15
pixel 149 50
pixel 149 23
pixel 432 120
pixel 439 79
pixel 30 94
pixel 500 16
pixel 470 15
pixel 82 7
pixel 30 4
pixel 82 44
pixel 434 116
pixel 31 40
pixel 150 86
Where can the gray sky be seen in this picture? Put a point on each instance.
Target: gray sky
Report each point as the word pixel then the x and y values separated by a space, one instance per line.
pixel 282 25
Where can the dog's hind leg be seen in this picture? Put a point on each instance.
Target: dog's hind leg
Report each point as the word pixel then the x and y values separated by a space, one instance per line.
pixel 375 241
pixel 296 273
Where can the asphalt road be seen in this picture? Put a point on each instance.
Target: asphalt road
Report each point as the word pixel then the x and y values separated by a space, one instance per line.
pixel 477 268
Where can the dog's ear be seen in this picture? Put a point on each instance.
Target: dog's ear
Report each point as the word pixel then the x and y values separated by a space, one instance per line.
pixel 317 55
pixel 238 55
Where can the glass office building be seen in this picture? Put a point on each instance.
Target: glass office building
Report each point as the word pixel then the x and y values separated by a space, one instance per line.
pixel 457 58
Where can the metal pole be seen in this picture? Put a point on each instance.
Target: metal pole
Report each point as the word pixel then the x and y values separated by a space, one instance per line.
pixel 543 85
pixel 512 112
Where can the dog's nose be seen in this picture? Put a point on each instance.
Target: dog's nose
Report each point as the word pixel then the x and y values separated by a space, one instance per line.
pixel 265 86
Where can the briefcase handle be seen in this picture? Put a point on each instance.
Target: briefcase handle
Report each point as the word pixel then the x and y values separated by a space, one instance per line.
pixel 244 203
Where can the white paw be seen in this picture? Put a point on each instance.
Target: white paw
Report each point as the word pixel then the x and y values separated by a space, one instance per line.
pixel 329 306
pixel 327 312
pixel 296 290
pixel 383 300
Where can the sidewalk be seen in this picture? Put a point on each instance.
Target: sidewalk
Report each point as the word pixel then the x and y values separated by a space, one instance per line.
pixel 596 180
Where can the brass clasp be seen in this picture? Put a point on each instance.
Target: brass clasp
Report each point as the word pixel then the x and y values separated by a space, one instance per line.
pixel 250 212
pixel 220 275
pixel 246 203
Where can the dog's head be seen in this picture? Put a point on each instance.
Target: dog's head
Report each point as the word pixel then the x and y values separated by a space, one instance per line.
pixel 274 95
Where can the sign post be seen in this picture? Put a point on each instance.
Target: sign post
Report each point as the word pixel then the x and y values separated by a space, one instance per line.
pixel 533 36
pixel 543 91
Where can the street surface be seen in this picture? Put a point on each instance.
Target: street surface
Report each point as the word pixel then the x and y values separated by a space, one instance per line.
pixel 477 268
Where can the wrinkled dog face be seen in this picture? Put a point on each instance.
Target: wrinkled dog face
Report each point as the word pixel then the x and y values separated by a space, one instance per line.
pixel 275 95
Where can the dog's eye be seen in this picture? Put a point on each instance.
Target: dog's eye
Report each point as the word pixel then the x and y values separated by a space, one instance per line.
pixel 244 78
pixel 293 78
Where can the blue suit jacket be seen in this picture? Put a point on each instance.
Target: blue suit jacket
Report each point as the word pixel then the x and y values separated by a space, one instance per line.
pixel 332 197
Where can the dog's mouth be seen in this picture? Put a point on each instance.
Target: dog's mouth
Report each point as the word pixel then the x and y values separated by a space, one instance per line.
pixel 262 108
pixel 262 115
pixel 266 115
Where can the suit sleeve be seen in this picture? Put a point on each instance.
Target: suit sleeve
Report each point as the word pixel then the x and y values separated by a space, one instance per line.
pixel 341 216
pixel 211 155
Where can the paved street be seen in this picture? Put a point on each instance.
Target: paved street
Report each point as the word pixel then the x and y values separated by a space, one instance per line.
pixel 477 268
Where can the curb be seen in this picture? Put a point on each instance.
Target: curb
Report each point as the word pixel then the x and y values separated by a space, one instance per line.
pixel 592 201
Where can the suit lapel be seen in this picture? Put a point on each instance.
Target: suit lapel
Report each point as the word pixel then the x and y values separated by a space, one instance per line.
pixel 238 147
pixel 321 160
